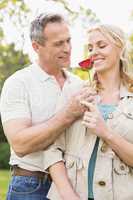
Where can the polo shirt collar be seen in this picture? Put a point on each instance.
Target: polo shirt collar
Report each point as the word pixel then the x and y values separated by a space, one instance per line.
pixel 39 73
pixel 44 76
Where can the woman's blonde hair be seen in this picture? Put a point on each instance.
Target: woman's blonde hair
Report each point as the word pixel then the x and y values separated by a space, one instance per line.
pixel 118 38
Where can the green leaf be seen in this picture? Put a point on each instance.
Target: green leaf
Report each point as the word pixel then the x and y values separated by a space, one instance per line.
pixel 3 4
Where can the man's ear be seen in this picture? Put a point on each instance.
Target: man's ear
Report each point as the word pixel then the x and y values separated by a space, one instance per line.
pixel 35 46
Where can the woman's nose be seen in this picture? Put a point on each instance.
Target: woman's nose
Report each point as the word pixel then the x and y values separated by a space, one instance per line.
pixel 94 51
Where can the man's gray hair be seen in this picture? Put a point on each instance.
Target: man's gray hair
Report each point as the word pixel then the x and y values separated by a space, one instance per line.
pixel 39 23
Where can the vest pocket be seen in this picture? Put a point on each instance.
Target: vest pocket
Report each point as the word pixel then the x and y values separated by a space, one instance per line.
pixel 128 114
pixel 120 168
pixel 122 181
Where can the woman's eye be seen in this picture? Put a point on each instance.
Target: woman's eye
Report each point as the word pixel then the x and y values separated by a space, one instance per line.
pixel 90 49
pixel 102 46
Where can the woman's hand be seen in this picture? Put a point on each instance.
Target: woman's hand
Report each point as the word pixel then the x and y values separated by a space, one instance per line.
pixel 70 195
pixel 73 107
pixel 94 121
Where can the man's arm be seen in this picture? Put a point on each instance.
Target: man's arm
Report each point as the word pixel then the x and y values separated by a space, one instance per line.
pixel 26 138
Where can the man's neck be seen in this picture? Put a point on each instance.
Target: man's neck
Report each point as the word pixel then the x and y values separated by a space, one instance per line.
pixel 58 74
pixel 60 78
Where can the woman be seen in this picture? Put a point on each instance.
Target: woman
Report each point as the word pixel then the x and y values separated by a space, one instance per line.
pixel 97 151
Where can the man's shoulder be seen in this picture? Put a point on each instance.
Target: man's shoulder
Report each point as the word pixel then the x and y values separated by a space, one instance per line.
pixel 21 74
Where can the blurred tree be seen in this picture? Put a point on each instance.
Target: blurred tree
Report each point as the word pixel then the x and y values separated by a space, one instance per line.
pixel 10 61
pixel 80 11
pixel 14 15
pixel 131 40
pixel 131 51
pixel 5 3
pixel 11 12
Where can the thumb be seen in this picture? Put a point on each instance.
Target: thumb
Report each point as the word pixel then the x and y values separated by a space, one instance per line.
pixel 89 105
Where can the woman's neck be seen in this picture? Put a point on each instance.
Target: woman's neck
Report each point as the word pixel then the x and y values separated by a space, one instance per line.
pixel 110 81
pixel 110 94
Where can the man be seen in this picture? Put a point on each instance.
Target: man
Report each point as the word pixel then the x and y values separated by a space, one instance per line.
pixel 28 107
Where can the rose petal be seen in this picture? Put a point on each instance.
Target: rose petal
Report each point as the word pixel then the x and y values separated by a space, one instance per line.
pixel 86 64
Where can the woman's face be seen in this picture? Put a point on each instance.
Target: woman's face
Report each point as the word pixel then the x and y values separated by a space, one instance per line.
pixel 105 54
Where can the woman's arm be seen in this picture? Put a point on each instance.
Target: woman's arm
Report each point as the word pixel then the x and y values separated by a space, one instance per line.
pixel 120 145
pixel 96 124
pixel 59 176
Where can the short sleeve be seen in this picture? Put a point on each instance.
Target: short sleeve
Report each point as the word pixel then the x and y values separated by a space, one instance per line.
pixel 55 152
pixel 14 101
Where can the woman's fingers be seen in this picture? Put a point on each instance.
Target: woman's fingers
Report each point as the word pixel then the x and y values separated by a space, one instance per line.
pixel 90 125
pixel 91 106
pixel 89 120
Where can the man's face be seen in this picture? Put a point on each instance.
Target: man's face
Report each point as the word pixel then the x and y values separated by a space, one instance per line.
pixel 56 51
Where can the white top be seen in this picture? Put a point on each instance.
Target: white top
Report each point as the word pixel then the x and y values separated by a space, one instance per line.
pixel 34 94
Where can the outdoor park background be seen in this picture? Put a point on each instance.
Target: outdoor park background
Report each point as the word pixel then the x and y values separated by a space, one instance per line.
pixel 15 49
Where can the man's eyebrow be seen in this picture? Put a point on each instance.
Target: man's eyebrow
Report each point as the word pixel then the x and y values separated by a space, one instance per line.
pixel 60 41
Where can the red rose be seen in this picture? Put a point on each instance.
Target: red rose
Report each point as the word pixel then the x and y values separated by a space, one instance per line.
pixel 86 64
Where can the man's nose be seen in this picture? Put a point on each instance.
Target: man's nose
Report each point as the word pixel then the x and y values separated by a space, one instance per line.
pixel 67 47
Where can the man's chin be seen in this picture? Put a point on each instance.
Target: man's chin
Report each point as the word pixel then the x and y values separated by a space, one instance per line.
pixel 66 65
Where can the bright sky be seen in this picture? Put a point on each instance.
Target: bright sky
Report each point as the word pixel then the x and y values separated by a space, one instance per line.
pixel 114 11
pixel 117 12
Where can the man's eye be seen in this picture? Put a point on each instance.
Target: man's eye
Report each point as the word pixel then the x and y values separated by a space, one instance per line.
pixel 58 44
pixel 69 41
